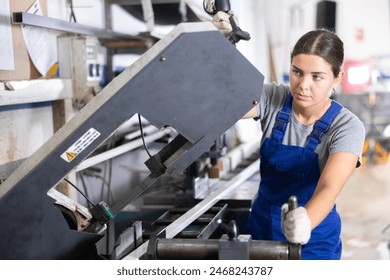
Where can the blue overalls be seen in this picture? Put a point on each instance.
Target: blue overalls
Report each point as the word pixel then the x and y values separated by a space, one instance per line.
pixel 292 170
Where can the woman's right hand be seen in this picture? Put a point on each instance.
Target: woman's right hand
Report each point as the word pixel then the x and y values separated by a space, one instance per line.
pixel 222 23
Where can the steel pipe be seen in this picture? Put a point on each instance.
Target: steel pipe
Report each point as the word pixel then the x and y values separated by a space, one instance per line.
pixel 196 249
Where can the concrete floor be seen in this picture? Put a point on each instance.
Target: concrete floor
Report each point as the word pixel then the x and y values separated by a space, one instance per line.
pixel 364 207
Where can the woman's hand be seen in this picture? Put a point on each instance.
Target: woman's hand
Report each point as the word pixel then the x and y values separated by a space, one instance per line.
pixel 296 224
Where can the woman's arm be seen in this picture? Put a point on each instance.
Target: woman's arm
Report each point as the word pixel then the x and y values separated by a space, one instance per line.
pixel 337 170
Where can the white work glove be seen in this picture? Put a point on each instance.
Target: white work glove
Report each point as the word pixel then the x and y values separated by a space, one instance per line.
pixel 296 225
pixel 222 23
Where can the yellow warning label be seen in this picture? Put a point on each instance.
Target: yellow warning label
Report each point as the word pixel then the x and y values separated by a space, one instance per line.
pixel 80 145
pixel 70 156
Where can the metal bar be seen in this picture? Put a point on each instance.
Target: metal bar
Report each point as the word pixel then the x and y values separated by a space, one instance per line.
pixel 148 129
pixel 199 209
pixel 212 225
pixel 193 249
pixel 36 91
pixel 121 150
pixel 138 2
pixel 70 27
pixel 209 201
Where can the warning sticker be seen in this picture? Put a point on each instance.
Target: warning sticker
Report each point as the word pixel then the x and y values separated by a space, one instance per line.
pixel 80 145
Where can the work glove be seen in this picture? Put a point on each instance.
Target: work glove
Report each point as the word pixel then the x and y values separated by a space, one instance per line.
pixel 222 23
pixel 296 224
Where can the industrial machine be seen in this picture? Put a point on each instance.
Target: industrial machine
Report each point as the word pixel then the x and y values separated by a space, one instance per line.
pixel 192 86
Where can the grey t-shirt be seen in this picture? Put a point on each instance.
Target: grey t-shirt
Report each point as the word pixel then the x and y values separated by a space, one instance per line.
pixel 346 133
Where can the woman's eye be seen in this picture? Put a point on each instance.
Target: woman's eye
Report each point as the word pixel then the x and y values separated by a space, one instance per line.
pixel 296 72
pixel 317 77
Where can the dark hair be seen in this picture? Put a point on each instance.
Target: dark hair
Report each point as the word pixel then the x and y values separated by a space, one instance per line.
pixel 323 43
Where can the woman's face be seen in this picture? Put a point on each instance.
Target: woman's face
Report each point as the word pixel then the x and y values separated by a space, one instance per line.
pixel 311 80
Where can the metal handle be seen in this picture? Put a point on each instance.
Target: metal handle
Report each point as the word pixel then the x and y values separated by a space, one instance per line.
pixel 292 203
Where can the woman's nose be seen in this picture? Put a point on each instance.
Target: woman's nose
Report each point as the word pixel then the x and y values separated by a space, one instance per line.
pixel 304 82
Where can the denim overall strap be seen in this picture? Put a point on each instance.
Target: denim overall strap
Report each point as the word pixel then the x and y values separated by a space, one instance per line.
pixel 322 125
pixel 282 120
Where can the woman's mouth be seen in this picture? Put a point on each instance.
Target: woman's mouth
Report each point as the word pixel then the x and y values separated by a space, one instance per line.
pixel 301 96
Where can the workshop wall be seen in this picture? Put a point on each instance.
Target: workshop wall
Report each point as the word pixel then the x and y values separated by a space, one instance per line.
pixel 363 25
pixel 26 121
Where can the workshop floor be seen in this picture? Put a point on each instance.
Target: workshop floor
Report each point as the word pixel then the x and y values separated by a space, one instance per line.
pixel 364 207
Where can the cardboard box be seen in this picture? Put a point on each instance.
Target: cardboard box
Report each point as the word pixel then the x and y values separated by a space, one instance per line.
pixel 24 68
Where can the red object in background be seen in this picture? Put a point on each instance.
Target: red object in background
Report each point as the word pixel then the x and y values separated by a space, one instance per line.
pixel 359 34
pixel 357 76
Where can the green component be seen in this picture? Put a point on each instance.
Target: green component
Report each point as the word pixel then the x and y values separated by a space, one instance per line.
pixel 107 210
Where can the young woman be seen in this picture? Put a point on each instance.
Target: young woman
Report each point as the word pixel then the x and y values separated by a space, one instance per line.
pixel 310 147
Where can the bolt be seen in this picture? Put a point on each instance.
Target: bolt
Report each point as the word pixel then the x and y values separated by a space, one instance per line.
pixel 163 58
pixel 255 102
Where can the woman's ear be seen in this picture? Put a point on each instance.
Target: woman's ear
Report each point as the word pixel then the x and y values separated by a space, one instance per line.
pixel 340 77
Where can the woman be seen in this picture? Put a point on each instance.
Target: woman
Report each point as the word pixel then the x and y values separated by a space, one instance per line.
pixel 310 147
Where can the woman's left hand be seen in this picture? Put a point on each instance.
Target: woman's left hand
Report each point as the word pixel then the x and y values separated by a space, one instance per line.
pixel 296 225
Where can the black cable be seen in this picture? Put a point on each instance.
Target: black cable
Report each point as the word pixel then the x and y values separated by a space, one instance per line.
pixel 386 228
pixel 77 189
pixel 142 134
pixel 84 186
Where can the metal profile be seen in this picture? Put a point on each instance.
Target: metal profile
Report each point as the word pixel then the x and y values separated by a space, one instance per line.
pixel 25 18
